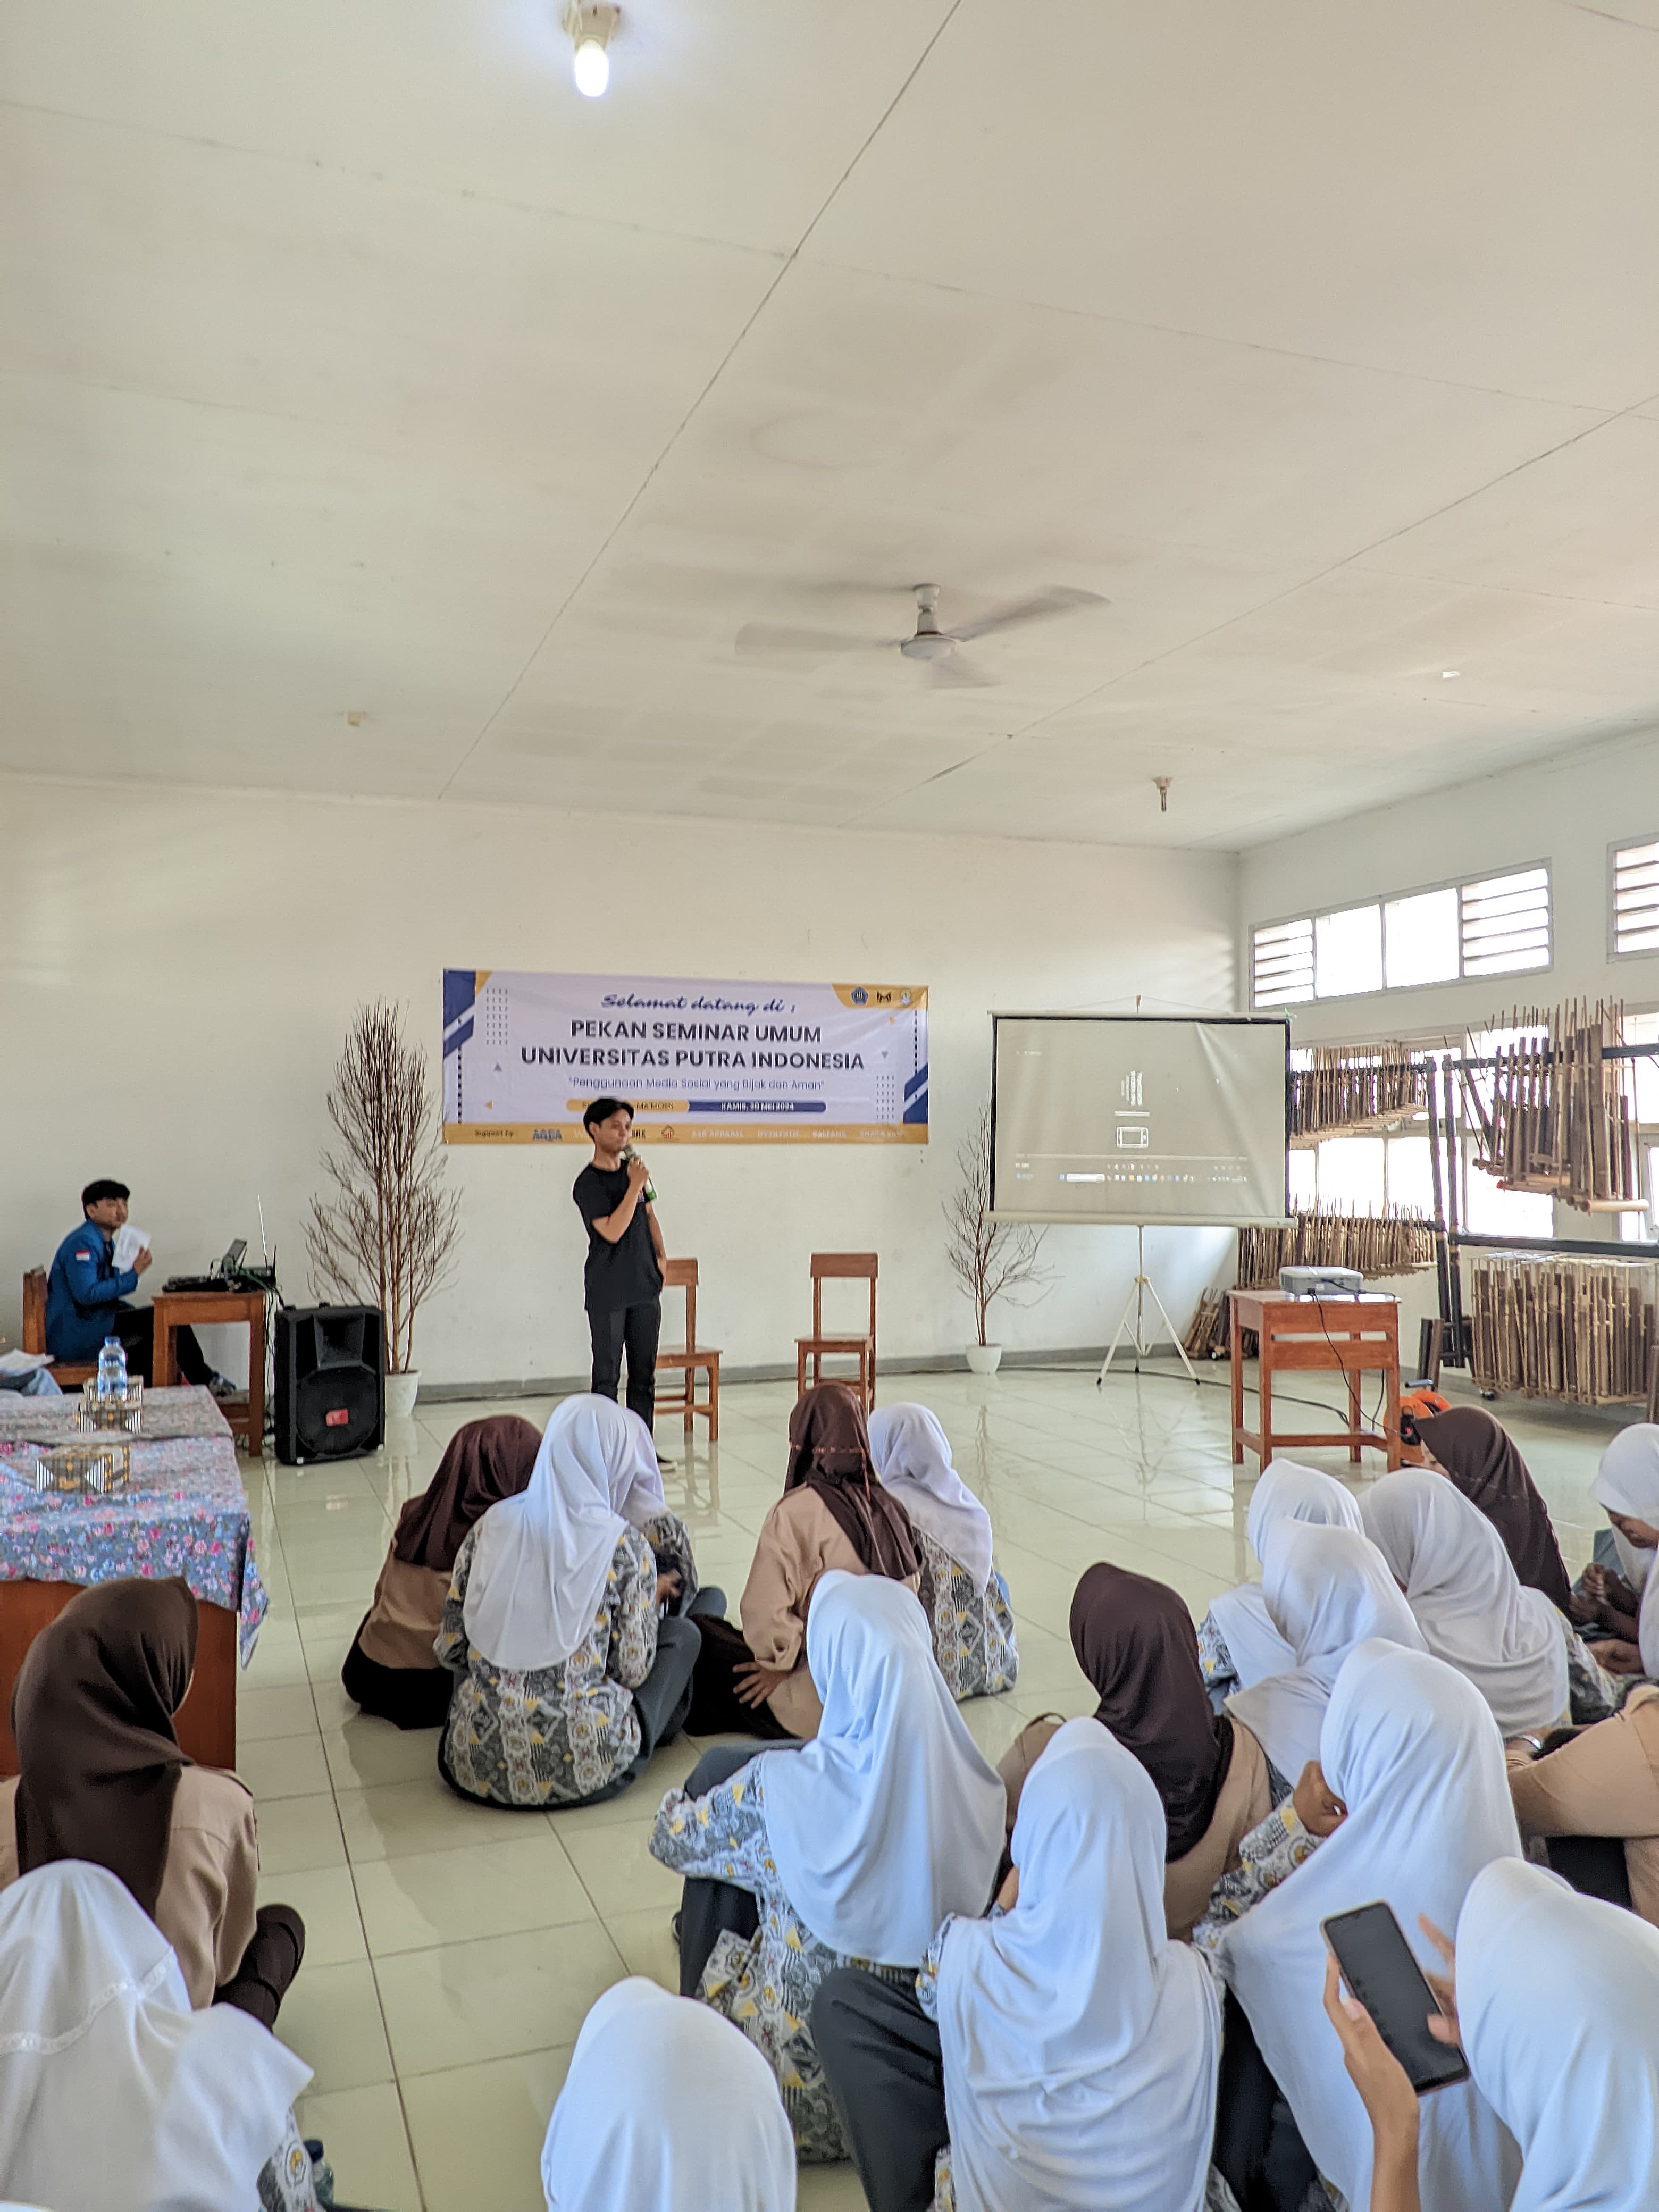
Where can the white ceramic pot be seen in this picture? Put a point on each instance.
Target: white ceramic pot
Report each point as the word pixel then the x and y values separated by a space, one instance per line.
pixel 984 1358
pixel 400 1391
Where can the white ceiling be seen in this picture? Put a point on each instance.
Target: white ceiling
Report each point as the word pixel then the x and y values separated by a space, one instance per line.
pixel 354 365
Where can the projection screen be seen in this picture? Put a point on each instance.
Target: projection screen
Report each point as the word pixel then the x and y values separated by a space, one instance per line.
pixel 1136 1118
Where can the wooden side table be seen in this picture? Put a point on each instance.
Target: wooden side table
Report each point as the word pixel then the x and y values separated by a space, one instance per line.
pixel 1353 1336
pixel 176 1309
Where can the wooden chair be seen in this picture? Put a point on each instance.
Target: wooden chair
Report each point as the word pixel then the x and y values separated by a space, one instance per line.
pixel 67 1377
pixel 858 1267
pixel 695 1359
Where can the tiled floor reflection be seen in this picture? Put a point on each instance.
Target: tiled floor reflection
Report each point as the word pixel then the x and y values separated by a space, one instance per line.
pixel 453 1951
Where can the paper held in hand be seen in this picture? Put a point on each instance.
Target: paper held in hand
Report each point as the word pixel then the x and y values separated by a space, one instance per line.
pixel 129 1244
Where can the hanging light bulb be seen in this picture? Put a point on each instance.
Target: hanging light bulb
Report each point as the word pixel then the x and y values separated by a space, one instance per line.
pixel 590 29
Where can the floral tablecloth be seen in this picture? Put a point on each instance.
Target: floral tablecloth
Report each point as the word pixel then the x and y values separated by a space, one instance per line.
pixel 184 1510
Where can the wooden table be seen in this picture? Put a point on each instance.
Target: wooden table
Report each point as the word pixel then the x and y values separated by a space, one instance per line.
pixel 205 1724
pixel 1356 1336
pixel 177 1309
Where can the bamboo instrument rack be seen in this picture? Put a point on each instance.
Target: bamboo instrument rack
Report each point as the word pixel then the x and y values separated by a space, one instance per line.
pixel 1555 1113
pixel 1395 1243
pixel 1349 1088
pixel 1581 1331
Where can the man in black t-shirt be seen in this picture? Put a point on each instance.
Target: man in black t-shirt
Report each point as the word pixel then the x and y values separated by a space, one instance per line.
pixel 625 1253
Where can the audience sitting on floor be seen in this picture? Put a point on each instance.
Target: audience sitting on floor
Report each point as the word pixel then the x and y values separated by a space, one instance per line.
pixel 709 2132
pixel 102 1781
pixel 115 2094
pixel 565 1625
pixel 1238 1643
pixel 1472 1607
pixel 850 1849
pixel 966 1600
pixel 391 1669
pixel 835 1515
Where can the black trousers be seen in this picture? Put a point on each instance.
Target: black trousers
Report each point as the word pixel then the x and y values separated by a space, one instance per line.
pixel 136 1327
pixel 633 1329
pixel 881 2056
pixel 269 1964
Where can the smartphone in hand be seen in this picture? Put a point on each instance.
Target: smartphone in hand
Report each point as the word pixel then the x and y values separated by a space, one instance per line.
pixel 1378 1966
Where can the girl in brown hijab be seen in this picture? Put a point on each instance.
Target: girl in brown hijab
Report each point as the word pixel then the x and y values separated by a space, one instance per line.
pixel 1135 1641
pixel 834 1513
pixel 391 1669
pixel 1467 1444
pixel 102 1779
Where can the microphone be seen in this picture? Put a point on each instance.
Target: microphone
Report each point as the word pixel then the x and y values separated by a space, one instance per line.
pixel 629 1154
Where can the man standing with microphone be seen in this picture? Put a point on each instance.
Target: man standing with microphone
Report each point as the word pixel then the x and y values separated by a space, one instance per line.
pixel 622 1278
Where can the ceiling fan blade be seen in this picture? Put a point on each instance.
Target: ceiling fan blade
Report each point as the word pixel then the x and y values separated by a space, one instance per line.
pixel 953 673
pixel 773 641
pixel 1063 599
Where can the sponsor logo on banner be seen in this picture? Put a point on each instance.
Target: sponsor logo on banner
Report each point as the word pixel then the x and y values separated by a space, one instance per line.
pixel 701 1062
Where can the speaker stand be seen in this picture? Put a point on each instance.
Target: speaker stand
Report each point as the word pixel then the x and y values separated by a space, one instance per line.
pixel 1133 1319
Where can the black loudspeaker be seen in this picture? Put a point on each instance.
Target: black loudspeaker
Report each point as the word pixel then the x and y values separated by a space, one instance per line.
pixel 330 1382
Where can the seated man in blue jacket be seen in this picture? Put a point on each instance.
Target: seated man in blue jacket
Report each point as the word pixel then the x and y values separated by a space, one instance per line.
pixel 85 1297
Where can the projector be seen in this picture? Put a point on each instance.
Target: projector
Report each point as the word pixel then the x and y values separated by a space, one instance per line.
pixel 1320 1282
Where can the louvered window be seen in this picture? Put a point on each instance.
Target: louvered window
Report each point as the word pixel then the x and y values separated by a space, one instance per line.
pixel 1505 923
pixel 1636 899
pixel 1282 963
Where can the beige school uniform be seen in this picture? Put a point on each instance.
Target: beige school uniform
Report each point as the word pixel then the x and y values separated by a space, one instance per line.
pixel 800 1540
pixel 210 1889
pixel 1604 1782
pixel 405 1617
pixel 1243 1803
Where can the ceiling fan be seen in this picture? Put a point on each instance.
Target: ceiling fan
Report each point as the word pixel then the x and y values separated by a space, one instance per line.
pixel 928 643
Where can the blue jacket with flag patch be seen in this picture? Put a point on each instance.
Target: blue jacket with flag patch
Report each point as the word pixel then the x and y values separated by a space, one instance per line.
pixel 82 1292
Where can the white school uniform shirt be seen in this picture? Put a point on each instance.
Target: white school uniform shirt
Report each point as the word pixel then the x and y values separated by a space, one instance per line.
pixel 1557 2008
pixel 1286 1491
pixel 1471 1606
pixel 1627 1482
pixel 1412 1750
pixel 1080 2045
pixel 667 2107
pixel 1327 1591
pixel 114 2095
pixel 540 1559
pixel 912 1457
pixel 890 1818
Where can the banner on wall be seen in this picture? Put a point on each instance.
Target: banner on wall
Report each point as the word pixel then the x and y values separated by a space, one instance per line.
pixel 702 1063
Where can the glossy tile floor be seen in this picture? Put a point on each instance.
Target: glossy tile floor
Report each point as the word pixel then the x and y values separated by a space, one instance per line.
pixel 453 1952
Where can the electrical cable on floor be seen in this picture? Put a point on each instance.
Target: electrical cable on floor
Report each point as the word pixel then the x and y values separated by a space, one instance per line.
pixel 1203 1382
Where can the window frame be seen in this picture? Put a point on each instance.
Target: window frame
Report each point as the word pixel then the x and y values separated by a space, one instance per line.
pixel 1382 899
pixel 1620 845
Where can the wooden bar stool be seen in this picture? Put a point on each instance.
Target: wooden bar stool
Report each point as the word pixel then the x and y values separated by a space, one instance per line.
pixel 857 1267
pixel 695 1359
pixel 66 1376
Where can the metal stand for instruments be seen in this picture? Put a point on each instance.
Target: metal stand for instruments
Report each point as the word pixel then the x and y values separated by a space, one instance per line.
pixel 1134 1319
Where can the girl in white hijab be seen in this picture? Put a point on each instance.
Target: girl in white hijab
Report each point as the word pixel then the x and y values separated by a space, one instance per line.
pixel 967 1599
pixel 1237 1642
pixel 1626 1487
pixel 1079 2043
pixel 114 2095
pixel 852 1848
pixel 1327 1590
pixel 1410 1750
pixel 1557 2008
pixel 566 1678
pixel 667 2108
pixel 1467 1600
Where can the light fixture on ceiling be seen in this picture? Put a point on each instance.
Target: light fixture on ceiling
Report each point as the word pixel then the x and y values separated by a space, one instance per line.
pixel 1447 675
pixel 591 28
pixel 1162 783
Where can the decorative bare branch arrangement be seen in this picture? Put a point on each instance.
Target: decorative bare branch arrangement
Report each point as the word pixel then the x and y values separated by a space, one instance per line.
pixel 386 1234
pixel 991 1259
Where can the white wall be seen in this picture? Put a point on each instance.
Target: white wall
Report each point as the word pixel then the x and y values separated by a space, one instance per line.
pixel 1566 812
pixel 177 970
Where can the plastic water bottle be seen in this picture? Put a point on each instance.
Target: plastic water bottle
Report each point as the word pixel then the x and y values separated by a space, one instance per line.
pixel 113 1369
